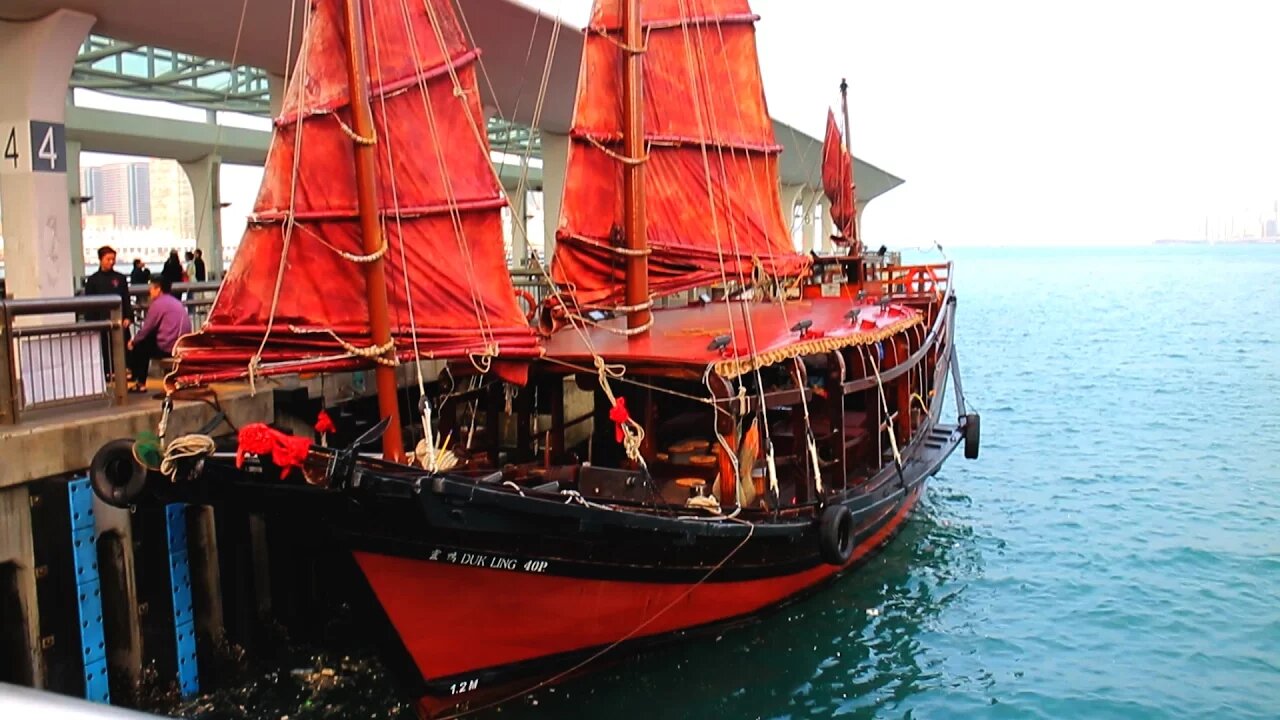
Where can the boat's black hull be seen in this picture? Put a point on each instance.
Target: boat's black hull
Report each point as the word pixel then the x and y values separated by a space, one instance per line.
pixel 488 592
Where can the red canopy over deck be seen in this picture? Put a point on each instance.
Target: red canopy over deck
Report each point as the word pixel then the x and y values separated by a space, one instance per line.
pixel 682 336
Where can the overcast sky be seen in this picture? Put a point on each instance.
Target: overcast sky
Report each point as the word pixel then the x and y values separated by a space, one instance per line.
pixel 1027 122
pixel 1017 121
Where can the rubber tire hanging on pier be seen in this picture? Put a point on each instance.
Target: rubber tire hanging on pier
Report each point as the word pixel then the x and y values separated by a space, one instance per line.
pixel 117 477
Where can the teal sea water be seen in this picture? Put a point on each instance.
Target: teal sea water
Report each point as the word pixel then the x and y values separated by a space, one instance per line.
pixel 1114 553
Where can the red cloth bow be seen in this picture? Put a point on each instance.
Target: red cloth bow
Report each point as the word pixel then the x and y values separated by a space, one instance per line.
pixel 619 415
pixel 324 423
pixel 286 451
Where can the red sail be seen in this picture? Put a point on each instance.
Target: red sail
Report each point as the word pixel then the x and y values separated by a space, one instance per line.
pixel 711 177
pixel 837 179
pixel 446 275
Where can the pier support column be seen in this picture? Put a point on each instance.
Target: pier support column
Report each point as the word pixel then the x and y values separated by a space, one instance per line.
pixel 37 58
pixel 519 228
pixel 75 214
pixel 121 618
pixel 828 225
pixel 792 197
pixel 206 189
pixel 275 94
pixel 21 661
pixel 860 209
pixel 555 157
pixel 808 228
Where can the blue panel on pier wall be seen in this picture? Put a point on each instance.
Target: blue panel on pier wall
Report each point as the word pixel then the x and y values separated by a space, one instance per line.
pixel 96 682
pixel 184 621
pixel 93 644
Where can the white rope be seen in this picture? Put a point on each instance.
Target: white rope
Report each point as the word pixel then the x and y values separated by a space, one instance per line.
pixel 632 432
pixel 455 216
pixel 704 502
pixel 572 496
pixel 383 354
pixel 287 231
pixel 708 128
pixel 187 446
pixel 351 257
pixel 884 404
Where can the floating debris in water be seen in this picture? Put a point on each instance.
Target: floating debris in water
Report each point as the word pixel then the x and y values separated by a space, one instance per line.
pixel 306 687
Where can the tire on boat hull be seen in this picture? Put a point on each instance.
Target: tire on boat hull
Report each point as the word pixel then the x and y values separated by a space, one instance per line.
pixel 115 474
pixel 835 535
pixel 972 436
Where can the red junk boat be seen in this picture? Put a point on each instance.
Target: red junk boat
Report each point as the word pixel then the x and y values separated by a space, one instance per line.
pixel 702 423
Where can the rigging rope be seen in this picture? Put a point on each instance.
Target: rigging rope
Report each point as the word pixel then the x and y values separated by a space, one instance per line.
pixel 287 231
pixel 709 127
pixel 455 215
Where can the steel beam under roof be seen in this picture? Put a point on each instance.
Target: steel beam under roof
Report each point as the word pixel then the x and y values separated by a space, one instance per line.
pixel 144 72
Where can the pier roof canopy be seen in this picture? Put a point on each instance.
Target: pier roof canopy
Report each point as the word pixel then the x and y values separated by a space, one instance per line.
pixel 501 28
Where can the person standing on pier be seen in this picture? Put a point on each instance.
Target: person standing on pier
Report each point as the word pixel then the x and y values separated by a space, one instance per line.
pixel 166 321
pixel 201 274
pixel 108 281
pixel 172 270
pixel 140 274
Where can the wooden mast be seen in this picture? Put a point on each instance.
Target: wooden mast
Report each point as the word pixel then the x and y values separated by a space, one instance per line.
pixel 855 243
pixel 370 230
pixel 634 225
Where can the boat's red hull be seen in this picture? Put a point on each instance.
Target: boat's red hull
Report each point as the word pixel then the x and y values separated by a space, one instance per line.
pixel 459 622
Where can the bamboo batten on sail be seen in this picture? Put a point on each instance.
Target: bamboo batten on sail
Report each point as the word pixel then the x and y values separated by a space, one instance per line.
pixel 438 197
pixel 711 175
pixel 837 179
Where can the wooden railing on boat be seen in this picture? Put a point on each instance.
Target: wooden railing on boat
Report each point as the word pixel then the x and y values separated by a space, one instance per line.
pixel 914 281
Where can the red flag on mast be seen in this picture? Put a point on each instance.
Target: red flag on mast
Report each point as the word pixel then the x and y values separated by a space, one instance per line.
pixel 837 180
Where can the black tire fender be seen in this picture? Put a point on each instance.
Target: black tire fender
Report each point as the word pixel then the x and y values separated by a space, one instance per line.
pixel 972 435
pixel 115 474
pixel 835 535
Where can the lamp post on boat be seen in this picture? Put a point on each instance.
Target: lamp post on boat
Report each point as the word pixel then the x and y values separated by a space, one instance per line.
pixel 634 226
pixel 370 230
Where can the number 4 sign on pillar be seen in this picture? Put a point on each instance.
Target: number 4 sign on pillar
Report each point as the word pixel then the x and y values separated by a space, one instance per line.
pixel 33 146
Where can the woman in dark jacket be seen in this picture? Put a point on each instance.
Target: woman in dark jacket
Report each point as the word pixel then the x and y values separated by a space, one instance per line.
pixel 172 270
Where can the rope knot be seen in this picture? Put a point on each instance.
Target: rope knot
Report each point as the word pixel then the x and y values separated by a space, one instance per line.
pixel 482 360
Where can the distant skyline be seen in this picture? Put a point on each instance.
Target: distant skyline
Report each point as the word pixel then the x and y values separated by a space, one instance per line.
pixel 1020 123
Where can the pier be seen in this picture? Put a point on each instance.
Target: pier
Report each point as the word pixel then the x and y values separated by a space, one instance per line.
pixel 92 596
pixel 113 604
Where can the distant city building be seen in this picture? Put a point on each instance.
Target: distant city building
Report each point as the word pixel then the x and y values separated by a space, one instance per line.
pixel 172 202
pixel 91 187
pixel 122 190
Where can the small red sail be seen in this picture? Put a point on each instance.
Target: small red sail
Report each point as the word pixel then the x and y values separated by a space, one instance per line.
pixel 445 265
pixel 711 175
pixel 837 179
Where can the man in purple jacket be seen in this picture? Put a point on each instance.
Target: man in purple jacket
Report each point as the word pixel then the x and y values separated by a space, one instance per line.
pixel 166 321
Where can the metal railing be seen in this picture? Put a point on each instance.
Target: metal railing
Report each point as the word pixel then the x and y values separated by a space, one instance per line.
pixel 50 361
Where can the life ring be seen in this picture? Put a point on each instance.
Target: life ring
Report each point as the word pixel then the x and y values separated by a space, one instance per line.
pixel 530 300
pixel 115 474
pixel 835 535
pixel 972 436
